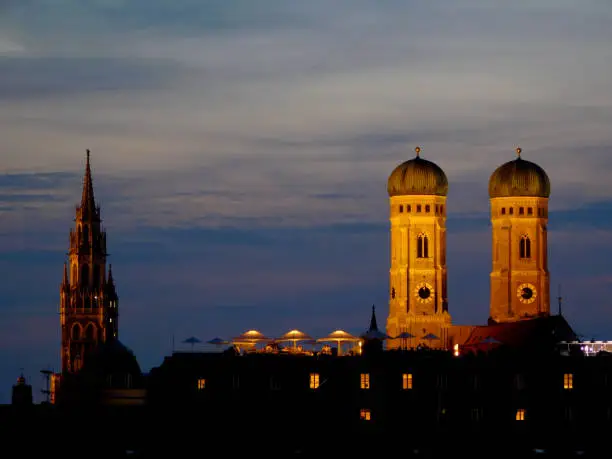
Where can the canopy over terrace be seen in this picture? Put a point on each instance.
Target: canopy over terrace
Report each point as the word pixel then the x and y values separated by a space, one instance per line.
pixel 339 336
pixel 250 338
pixel 294 336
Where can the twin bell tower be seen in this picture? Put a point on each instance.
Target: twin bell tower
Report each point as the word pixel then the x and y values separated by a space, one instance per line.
pixel 519 283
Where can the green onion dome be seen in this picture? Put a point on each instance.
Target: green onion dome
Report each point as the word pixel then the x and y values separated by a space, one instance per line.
pixel 417 176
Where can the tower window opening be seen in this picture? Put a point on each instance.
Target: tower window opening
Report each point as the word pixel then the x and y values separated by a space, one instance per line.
pixel 422 246
pixel 90 332
pixel 85 230
pixel 85 276
pixel 521 211
pixel 511 210
pixel 408 208
pixel 520 414
pixel 427 208
pixel 437 209
pixel 401 208
pixel 76 332
pixel 529 211
pixel 503 211
pixel 525 247
pixel 365 380
pixel 441 209
pixel 568 381
pixel 418 207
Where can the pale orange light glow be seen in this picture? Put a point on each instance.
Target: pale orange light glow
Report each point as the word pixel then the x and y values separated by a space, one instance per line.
pixel 456 350
pixel 314 380
pixel 407 381
pixel 365 414
pixel 568 381
pixel 520 414
pixel 365 380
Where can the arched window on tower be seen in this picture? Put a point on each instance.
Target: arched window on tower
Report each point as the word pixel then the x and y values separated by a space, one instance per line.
pixel 90 332
pixel 76 332
pixel 422 246
pixel 96 276
pixel 85 275
pixel 85 235
pixel 525 247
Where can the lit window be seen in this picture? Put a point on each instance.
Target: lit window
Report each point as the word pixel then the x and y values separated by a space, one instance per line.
pixel 407 381
pixel 568 381
pixel 365 414
pixel 314 380
pixel 365 380
pixel 520 414
pixel 201 384
pixel 456 350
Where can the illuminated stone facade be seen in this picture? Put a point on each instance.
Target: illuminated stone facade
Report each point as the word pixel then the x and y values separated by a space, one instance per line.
pixel 520 284
pixel 88 299
pixel 417 276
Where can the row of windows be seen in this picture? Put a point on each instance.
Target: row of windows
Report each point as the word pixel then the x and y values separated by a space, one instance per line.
pixel 407 381
pixel 365 414
pixel 439 208
pixel 541 212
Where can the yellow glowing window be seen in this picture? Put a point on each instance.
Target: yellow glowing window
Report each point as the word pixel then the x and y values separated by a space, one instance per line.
pixel 365 414
pixel 520 414
pixel 365 380
pixel 568 381
pixel 314 380
pixel 407 381
pixel 201 384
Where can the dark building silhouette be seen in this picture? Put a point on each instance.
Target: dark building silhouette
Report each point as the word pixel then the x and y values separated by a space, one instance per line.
pixel 22 393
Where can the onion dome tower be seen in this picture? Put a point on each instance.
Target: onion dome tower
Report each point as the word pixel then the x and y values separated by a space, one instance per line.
pixel 418 302
pixel 519 191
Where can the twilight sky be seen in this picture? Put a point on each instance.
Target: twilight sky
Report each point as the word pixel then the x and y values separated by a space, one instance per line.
pixel 241 150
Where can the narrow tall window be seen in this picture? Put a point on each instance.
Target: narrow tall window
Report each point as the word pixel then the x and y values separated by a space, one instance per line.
pixel 511 210
pixel 407 381
pixel 529 211
pixel 503 211
pixel 418 207
pixel 365 414
pixel 427 208
pixel 568 381
pixel 314 380
pixel 401 208
pixel 422 246
pixel 365 380
pixel 520 414
pixel 85 234
pixel 521 211
pixel 85 275
pixel 408 208
pixel 201 384
pixel 525 247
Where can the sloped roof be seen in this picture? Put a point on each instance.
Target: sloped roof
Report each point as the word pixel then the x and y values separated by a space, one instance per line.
pixel 537 333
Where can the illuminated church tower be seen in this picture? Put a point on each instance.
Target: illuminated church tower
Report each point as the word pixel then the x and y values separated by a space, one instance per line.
pixel 417 278
pixel 519 192
pixel 88 299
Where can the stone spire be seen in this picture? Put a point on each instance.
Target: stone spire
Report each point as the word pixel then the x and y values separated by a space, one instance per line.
pixel 88 202
pixel 373 324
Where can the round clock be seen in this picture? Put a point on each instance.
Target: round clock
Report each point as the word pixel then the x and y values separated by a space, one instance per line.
pixel 526 293
pixel 424 292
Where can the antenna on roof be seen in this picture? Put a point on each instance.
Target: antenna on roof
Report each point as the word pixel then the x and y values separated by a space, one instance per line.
pixel 559 299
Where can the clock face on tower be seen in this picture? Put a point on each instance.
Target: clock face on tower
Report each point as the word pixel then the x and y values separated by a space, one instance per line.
pixel 526 293
pixel 424 292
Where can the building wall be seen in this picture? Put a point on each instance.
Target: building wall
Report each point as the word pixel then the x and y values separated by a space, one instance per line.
pixel 517 219
pixel 418 299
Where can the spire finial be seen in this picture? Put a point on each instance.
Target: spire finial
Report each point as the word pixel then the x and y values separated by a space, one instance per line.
pixel 417 150
pixel 88 202
pixel 518 150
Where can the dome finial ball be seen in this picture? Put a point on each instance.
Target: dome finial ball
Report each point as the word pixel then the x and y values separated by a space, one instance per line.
pixel 418 151
pixel 518 151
